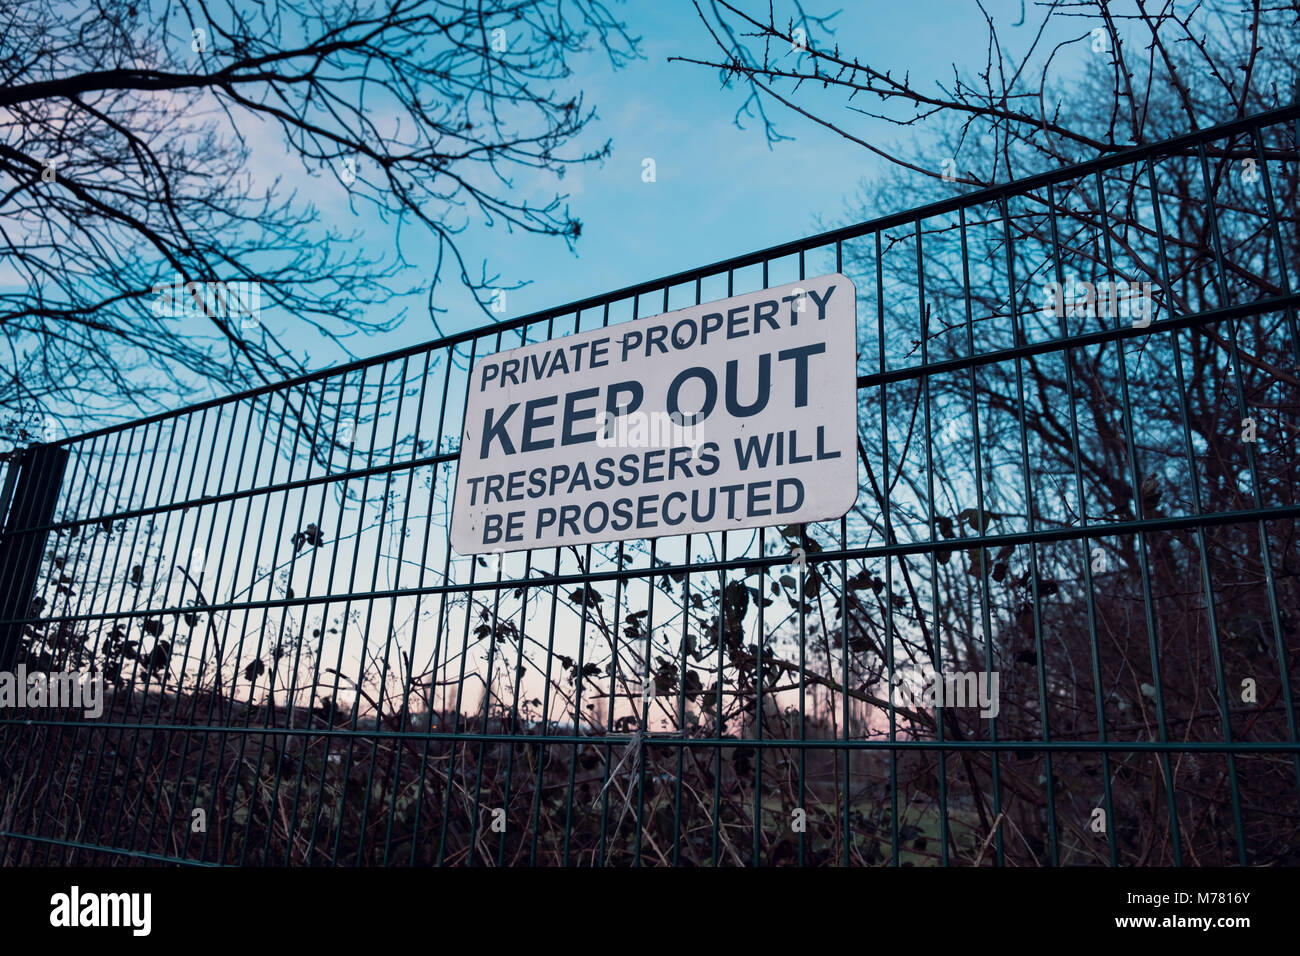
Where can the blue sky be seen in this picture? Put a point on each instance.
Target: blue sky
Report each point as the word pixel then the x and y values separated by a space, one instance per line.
pixel 719 190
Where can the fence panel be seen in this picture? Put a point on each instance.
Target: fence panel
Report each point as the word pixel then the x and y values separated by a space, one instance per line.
pixel 1078 408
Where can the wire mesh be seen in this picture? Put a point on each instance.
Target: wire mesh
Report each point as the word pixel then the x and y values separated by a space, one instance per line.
pixel 1078 413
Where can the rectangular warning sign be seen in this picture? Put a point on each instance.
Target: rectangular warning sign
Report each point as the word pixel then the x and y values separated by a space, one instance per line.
pixel 728 415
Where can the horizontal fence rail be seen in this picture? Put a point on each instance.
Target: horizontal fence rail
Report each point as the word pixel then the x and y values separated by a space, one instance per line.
pixel 1083 515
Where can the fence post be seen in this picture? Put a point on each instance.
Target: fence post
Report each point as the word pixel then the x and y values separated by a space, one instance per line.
pixel 31 491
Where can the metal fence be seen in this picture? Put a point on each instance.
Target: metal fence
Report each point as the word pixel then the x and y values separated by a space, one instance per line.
pixel 1082 512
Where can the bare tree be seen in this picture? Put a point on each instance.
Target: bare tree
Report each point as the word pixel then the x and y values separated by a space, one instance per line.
pixel 1153 71
pixel 130 135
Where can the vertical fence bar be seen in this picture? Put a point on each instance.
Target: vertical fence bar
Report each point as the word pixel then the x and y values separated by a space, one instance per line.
pixel 31 500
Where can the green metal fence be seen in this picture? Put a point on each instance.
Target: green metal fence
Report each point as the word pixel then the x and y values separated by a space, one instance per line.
pixel 1085 511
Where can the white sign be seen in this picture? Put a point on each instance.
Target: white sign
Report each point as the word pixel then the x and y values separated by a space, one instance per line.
pixel 728 415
